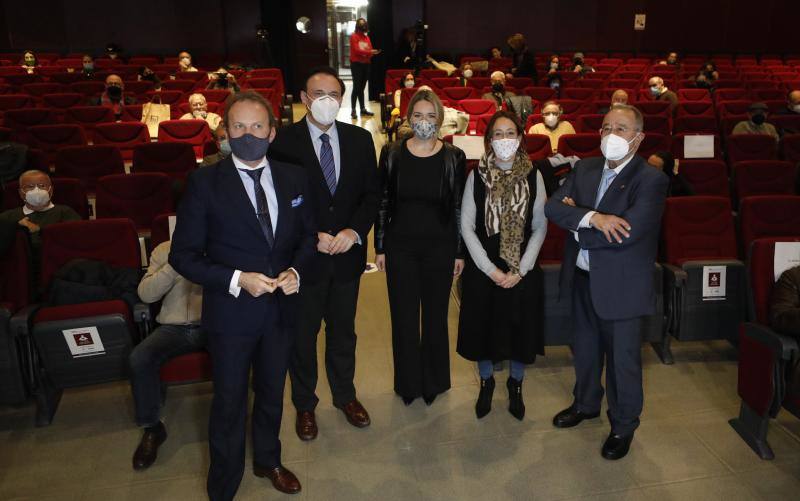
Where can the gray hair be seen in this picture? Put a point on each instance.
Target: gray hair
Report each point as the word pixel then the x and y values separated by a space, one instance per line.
pixel 637 115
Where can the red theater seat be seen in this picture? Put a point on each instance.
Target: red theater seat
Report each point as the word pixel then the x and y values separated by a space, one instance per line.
pixel 50 138
pixel 459 93
pixel 589 123
pixel 537 146
pixel 769 216
pixel 540 94
pixel 194 132
pixel 582 145
pixel 88 89
pixel 695 108
pixel 20 120
pixel 217 96
pixel 790 148
pixel 88 163
pixel 654 108
pixel 89 117
pixel 764 177
pixel 477 106
pixel 170 97
pixel 750 147
pixel 678 145
pixel 123 135
pixel 174 159
pixel 696 125
pixel 654 142
pixel 658 123
pixel 139 197
pixel 686 95
pixel 706 177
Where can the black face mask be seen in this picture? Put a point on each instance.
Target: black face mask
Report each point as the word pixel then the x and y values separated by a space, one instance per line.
pixel 498 88
pixel 150 77
pixel 363 28
pixel 249 147
pixel 758 118
pixel 578 61
pixel 114 92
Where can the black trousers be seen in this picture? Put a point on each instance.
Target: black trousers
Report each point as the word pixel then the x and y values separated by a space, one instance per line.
pixel 420 277
pixel 360 73
pixel 267 351
pixel 335 302
pixel 618 343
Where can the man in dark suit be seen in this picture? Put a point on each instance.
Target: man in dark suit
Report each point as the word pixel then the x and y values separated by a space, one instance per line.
pixel 612 206
pixel 339 159
pixel 245 232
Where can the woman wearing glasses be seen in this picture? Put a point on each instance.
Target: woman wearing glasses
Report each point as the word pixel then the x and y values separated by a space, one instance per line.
pixel 503 226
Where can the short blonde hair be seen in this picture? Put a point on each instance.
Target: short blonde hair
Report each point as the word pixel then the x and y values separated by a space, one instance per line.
pixel 196 95
pixel 431 97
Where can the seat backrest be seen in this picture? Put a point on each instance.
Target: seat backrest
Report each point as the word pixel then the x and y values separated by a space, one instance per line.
pixel 699 228
pixel 15 101
pixel 216 95
pixel 589 123
pixel 698 124
pixel 654 142
pixel 761 271
pixel 540 94
pixel 579 93
pixel 159 229
pixel 678 150
pixel 706 177
pixel 21 119
pixel 63 100
pixel 685 95
pixel 582 145
pixel 537 146
pixel 657 123
pixel 459 93
pixel 769 216
pixel 733 107
pixel 49 138
pixel 166 157
pixel 113 241
pixel 654 107
pixel 183 86
pixel 751 147
pixel 695 108
pixel 87 163
pixel 790 147
pixel 15 273
pixel 140 197
pixel 194 132
pixel 171 97
pixel 786 124
pixel 574 106
pixel 124 135
pixel 764 177
pixel 88 89
pixel 477 106
pixel 89 116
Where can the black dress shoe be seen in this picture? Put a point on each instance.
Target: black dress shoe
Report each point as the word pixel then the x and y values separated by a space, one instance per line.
pixel 408 400
pixel 429 399
pixel 616 446
pixel 353 114
pixel 147 451
pixel 367 113
pixel 515 404
pixel 570 417
pixel 484 403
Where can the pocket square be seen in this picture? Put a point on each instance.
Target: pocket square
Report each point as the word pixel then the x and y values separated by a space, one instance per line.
pixel 297 202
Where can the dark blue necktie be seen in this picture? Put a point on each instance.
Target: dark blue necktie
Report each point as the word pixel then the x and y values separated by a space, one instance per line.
pixel 327 163
pixel 262 208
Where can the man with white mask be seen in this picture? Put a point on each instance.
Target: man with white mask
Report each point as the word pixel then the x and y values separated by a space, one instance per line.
pixel 552 126
pixel 612 207
pixel 341 165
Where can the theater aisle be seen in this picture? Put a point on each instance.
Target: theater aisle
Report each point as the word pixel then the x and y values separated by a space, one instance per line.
pixel 684 449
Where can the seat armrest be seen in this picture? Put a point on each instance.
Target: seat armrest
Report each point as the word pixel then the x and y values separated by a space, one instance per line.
pixel 141 313
pixel 782 346
pixel 675 277
pixel 20 324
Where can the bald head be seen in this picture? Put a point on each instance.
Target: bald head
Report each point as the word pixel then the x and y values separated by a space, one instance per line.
pixel 655 81
pixel 114 80
pixel 619 97
pixel 794 99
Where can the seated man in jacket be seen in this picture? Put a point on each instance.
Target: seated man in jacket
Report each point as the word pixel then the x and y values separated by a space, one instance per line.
pixel 178 333
pixel 114 96
pixel 499 93
pixel 198 110
pixel 223 147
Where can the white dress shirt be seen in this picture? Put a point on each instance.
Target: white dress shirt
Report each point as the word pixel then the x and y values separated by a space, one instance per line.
pixel 582 261
pixel 272 202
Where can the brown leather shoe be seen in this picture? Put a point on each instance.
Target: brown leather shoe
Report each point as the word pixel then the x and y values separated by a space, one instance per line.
pixel 147 451
pixel 306 425
pixel 356 414
pixel 281 478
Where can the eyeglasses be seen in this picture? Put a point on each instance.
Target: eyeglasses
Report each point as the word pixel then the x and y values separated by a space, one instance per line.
pixel 30 187
pixel 319 93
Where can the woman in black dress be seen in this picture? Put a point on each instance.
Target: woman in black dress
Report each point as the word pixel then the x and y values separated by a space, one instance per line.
pixel 418 244
pixel 503 226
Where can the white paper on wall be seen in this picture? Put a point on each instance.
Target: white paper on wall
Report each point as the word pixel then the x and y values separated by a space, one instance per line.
pixel 698 146
pixel 787 255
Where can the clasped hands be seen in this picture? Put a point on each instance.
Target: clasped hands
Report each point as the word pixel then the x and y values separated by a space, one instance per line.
pixel 613 227
pixel 339 244
pixel 258 284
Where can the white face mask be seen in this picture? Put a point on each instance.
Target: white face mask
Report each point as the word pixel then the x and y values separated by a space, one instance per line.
pixel 37 197
pixel 551 120
pixel 796 108
pixel 467 73
pixel 615 147
pixel 324 109
pixel 655 90
pixel 409 84
pixel 505 149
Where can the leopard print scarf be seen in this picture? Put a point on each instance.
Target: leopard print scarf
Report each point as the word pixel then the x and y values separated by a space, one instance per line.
pixel 507 196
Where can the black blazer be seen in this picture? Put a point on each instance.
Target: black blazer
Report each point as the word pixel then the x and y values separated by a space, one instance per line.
pixel 217 232
pixel 621 274
pixel 356 200
pixel 451 189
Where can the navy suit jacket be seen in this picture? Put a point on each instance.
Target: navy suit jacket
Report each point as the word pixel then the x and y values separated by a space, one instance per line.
pixel 621 274
pixel 217 232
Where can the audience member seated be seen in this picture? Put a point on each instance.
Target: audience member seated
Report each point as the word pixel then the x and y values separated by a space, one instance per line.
pixel 671 60
pixel 29 62
pixel 784 314
pixel 707 76
pixel 199 110
pixel 148 75
pixel 113 51
pixel 524 63
pixel 553 126
pixel 499 92
pixel 185 62
pixel 223 147
pixel 114 96
pixel 87 66
pixel 553 66
pixel 618 97
pixel 406 82
pixel 660 92
pixel 579 66
pixel 792 109
pixel 495 53
pixel 756 122
pixel 222 80
pixel 454 122
pixel 178 333
pixel 38 211
pixel 465 74
pixel 665 162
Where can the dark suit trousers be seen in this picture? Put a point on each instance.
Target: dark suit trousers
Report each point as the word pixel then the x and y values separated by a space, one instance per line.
pixel 420 276
pixel 360 72
pixel 268 352
pixel 336 303
pixel 618 343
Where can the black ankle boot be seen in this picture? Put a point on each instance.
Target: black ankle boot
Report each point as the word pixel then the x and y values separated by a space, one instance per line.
pixel 515 404
pixel 484 403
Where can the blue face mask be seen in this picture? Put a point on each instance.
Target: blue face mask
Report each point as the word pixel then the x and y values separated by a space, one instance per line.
pixel 225 147
pixel 88 66
pixel 249 147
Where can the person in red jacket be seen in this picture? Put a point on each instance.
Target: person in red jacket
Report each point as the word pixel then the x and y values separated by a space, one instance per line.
pixel 361 53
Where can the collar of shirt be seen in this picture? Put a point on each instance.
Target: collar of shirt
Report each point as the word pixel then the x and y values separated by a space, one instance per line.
pixel 28 212
pixel 241 165
pixel 621 166
pixel 316 131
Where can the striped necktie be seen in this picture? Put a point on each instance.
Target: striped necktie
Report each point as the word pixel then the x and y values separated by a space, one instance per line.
pixel 327 163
